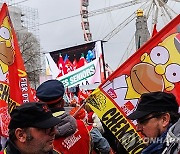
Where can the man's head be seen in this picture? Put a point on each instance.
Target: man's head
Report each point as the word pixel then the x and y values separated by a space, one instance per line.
pixel 155 112
pixel 32 127
pixel 51 92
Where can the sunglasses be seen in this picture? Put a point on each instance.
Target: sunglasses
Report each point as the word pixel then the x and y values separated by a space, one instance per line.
pixel 146 119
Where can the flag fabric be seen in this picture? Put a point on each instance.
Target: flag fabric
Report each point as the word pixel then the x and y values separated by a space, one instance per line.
pixel 61 66
pixel 65 58
pixel 15 88
pixel 69 67
pixel 82 95
pixel 75 63
pixel 154 32
pixel 51 67
pixel 82 61
pixel 153 67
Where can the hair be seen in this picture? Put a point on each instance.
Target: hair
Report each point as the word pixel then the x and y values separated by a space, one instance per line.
pixel 13 137
pixel 174 117
pixel 59 103
pixel 29 136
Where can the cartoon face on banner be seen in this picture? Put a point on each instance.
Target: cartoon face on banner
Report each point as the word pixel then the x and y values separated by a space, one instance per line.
pixel 6 49
pixel 157 70
pixel 14 85
pixel 161 67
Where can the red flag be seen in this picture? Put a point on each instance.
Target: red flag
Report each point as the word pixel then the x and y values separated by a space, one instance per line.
pixel 14 84
pixel 153 67
pixel 154 32
pixel 158 59
pixel 75 64
pixel 69 67
pixel 61 66
pixel 82 61
pixel 82 95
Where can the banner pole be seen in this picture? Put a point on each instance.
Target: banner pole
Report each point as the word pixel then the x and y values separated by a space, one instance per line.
pixel 84 102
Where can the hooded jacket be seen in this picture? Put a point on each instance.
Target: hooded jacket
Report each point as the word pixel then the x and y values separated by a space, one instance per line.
pixel 68 124
pixel 173 139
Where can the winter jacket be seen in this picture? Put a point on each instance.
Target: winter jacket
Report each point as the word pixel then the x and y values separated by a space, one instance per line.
pixel 12 149
pixel 99 142
pixel 77 143
pixel 173 139
pixel 68 124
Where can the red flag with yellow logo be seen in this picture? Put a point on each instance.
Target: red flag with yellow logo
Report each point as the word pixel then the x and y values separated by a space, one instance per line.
pixel 14 86
pixel 154 67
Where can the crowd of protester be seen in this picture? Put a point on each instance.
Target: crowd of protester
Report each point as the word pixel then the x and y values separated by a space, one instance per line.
pixel 54 125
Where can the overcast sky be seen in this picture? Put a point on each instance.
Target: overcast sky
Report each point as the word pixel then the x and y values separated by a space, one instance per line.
pixel 65 33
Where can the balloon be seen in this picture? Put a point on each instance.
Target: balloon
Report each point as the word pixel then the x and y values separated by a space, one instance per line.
pixel 90 55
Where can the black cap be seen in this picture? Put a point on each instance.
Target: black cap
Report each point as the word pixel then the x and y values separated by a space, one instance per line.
pixel 154 102
pixel 32 114
pixel 50 90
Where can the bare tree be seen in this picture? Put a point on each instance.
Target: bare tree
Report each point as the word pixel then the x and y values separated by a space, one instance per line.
pixel 30 49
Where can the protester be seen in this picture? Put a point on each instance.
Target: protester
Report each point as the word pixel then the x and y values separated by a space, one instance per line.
pixel 72 134
pixel 51 92
pixel 155 115
pixel 31 130
pixel 93 119
pixel 173 139
pixel 99 143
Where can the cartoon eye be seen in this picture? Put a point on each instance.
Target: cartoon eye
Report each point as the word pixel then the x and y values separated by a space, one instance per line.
pixel 159 55
pixel 173 73
pixel 4 33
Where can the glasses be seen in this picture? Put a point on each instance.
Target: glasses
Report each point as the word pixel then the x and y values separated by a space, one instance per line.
pixel 145 120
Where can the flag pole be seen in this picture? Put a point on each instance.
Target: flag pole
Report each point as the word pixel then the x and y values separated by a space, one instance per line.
pixel 80 107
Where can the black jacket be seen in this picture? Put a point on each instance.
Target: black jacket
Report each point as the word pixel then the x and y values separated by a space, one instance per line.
pixel 12 149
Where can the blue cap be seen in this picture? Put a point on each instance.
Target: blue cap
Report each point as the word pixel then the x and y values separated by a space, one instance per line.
pixel 50 90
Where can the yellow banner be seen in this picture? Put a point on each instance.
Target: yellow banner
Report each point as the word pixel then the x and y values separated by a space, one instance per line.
pixel 116 122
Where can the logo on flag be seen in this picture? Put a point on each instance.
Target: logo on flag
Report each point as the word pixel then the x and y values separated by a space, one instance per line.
pixel 154 67
pixel 15 88
pixel 112 93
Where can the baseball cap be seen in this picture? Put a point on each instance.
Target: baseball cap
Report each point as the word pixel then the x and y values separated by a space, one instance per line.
pixel 32 114
pixel 154 102
pixel 50 91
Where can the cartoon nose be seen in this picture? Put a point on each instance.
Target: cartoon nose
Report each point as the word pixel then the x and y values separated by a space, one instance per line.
pixel 160 69
pixel 168 85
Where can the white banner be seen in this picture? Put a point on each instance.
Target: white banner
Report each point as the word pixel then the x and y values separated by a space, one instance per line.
pixel 87 74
